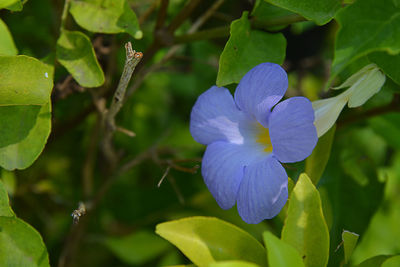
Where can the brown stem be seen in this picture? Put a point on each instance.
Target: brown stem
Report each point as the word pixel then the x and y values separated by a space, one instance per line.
pixel 394 106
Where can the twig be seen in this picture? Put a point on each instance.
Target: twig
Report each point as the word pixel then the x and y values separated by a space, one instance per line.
pixel 164 175
pixel 132 59
pixel 162 14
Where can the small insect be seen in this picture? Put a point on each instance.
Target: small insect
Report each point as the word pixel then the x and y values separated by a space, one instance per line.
pixel 78 213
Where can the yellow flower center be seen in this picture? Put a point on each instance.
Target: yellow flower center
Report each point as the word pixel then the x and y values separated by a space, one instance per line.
pixel 263 138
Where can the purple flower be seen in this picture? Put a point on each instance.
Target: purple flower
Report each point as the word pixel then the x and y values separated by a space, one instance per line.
pixel 247 138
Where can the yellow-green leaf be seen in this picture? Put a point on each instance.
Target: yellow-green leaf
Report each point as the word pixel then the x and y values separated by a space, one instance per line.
pixel 281 254
pixel 21 245
pixel 316 162
pixel 23 134
pixel 5 209
pixel 232 264
pixel 349 243
pixel 24 81
pixel 106 16
pixel 205 240
pixel 7 46
pixel 305 227
pixel 75 52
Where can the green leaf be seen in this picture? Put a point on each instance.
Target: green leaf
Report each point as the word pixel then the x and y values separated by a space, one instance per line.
pixel 137 248
pixel 281 254
pixel 106 16
pixel 5 209
pixel 246 48
pixel 349 243
pixel 7 46
pixel 374 261
pixel 23 133
pixel 366 26
pixel 264 13
pixel 305 227
pixel 24 81
pixel 75 52
pixel 8 3
pixel 21 245
pixel 319 11
pixel 387 126
pixel 205 240
pixel 392 262
pixel 390 64
pixel 17 6
pixel 232 264
pixel 316 162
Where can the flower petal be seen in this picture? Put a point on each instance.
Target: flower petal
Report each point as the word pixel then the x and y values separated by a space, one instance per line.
pixel 260 89
pixel 327 111
pixel 263 191
pixel 222 170
pixel 215 117
pixel 292 131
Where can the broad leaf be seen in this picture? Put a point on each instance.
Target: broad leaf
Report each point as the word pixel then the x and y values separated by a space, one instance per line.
pixel 7 46
pixel 319 11
pixel 23 134
pixel 316 162
pixel 106 16
pixel 24 81
pixel 5 209
pixel 305 227
pixel 281 254
pixel 390 64
pixel 366 26
pixel 349 243
pixel 21 245
pixel 205 240
pixel 137 248
pixel 75 52
pixel 246 48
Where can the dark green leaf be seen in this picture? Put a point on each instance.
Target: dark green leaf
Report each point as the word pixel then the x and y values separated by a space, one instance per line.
pixel 75 52
pixel 390 64
pixel 246 48
pixel 137 248
pixel 316 162
pixel 387 126
pixel 281 254
pixel 305 227
pixel 366 26
pixel 23 134
pixel 205 240
pixel 106 16
pixel 24 81
pixel 319 11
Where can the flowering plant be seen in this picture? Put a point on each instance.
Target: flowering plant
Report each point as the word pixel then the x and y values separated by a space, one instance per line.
pixel 248 136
